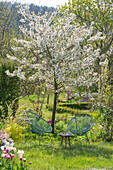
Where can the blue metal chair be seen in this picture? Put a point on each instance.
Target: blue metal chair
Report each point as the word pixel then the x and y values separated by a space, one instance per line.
pixel 37 123
pixel 80 124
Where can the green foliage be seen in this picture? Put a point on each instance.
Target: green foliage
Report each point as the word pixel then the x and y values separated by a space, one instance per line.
pixel 9 90
pixel 80 105
pixel 60 125
pixel 105 120
pixel 60 109
pixel 69 108
pixel 14 130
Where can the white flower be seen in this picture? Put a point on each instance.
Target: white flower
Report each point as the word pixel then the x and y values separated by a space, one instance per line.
pixel 4 141
pixel 2 147
pixel 12 144
pixel 7 144
pixel 20 153
pixel 3 155
pixel 14 148
pixel 11 140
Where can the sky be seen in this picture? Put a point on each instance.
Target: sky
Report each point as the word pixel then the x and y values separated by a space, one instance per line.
pixel 49 3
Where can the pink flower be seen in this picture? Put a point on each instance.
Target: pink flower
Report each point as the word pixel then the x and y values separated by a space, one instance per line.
pixel 3 155
pixel 24 159
pixel 8 157
pixel 30 163
pixel 49 121
pixel 12 155
pixel 6 150
pixel 20 158
pixel 101 127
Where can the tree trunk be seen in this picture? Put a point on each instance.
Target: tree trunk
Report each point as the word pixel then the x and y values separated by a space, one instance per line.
pixel 40 111
pixel 54 110
pixel 48 99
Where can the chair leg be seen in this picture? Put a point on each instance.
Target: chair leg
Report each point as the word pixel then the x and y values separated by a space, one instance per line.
pixel 39 138
pixel 87 139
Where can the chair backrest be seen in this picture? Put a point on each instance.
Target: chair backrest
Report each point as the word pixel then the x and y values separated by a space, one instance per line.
pixel 37 123
pixel 80 124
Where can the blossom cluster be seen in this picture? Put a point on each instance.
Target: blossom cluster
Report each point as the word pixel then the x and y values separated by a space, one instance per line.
pixel 58 56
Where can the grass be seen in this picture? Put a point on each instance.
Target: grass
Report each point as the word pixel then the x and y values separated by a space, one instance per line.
pixel 49 155
pixel 80 156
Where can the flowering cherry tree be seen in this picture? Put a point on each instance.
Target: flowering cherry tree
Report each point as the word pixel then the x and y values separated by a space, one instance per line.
pixel 62 51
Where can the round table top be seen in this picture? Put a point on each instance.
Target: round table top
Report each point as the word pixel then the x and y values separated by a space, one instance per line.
pixel 66 134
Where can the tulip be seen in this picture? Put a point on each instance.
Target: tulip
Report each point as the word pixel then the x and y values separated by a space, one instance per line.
pixel 24 159
pixel 8 157
pixel 4 152
pixel 7 150
pixel 12 155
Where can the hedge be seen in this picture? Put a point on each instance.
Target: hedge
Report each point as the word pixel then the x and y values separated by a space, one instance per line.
pixel 63 109
pixel 80 105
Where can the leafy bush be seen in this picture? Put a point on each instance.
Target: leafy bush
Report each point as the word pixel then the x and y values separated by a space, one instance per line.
pixel 62 109
pixel 60 125
pixel 9 90
pixel 105 119
pixel 14 130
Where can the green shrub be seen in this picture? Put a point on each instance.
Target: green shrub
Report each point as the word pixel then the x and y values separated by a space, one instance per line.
pixel 60 125
pixel 14 130
pixel 80 105
pixel 9 90
pixel 62 109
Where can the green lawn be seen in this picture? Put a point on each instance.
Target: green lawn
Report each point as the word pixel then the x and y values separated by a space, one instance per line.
pixel 49 155
pixel 80 156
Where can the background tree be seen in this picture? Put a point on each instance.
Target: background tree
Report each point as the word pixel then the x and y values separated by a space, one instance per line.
pixel 8 27
pixel 100 13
